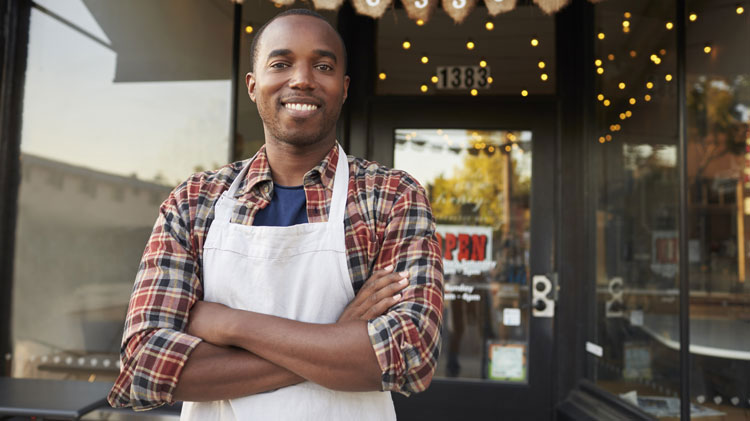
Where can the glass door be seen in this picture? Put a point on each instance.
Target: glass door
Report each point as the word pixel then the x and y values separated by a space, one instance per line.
pixel 489 181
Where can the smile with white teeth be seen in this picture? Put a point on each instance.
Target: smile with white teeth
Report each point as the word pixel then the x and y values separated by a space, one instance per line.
pixel 301 107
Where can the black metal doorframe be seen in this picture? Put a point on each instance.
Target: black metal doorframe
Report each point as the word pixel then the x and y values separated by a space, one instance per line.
pixel 450 398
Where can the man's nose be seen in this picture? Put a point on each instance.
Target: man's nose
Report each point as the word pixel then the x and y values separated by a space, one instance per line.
pixel 302 78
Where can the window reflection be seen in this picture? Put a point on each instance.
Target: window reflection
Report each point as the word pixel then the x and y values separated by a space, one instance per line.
pixel 110 124
pixel 633 161
pixel 718 111
pixel 479 185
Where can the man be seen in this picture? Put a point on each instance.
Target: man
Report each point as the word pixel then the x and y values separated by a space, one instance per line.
pixel 244 305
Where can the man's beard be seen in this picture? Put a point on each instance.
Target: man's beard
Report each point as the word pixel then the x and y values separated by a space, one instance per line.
pixel 297 136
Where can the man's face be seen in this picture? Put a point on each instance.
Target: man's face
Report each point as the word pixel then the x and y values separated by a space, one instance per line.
pixel 298 82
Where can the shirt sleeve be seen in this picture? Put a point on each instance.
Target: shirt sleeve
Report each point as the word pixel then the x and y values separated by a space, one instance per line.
pixel 154 347
pixel 406 339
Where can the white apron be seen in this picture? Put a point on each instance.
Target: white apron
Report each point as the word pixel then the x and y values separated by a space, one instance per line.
pixel 297 272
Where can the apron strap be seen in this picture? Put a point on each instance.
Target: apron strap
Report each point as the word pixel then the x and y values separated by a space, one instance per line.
pixel 225 205
pixel 340 188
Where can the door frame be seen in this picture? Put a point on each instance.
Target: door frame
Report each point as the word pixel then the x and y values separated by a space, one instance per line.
pixel 454 398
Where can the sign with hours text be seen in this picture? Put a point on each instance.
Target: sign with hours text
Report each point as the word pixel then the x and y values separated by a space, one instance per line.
pixel 463 77
pixel 467 249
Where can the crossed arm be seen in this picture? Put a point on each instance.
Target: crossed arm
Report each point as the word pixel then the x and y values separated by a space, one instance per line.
pixel 235 360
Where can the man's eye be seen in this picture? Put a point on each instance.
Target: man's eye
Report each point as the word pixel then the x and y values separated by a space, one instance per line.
pixel 325 67
pixel 278 65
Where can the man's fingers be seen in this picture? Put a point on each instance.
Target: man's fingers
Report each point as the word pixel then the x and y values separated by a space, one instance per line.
pixel 377 275
pixel 381 306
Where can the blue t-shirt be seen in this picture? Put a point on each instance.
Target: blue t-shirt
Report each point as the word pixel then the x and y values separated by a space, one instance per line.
pixel 288 207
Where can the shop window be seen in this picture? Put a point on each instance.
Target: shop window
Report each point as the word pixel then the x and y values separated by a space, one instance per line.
pixel 718 164
pixel 123 101
pixel 633 345
pixel 479 185
pixel 511 53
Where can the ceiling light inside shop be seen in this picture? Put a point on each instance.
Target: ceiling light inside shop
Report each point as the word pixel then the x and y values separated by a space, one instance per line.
pixel 621 85
pixel 597 62
pixel 608 137
pixel 650 85
pixel 600 70
pixel 632 101
pixel 669 26
pixel 693 17
pixel 663 52
pixel 626 24
pixel 611 57
pixel 490 80
pixel 406 44
pixel 626 29
pixel 740 10
pixel 707 48
pixel 633 54
pixel 534 42
pixel 627 15
pixel 249 29
pixel 542 64
pixel 600 35
pixel 420 22
pixel 544 76
pixel 524 93
pixel 629 113
pixel 425 59
pixel 382 76
pixel 470 45
pixel 601 139
pixel 482 63
pixel 606 103
pixel 489 25
pixel 600 97
pixel 623 116
pixel 668 77
pixel 423 88
pixel 434 79
pixel 647 97
pixel 474 92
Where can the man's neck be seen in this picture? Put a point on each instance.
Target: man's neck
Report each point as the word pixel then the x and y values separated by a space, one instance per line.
pixel 290 163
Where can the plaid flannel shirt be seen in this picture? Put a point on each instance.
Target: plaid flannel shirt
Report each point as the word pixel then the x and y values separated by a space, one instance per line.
pixel 388 221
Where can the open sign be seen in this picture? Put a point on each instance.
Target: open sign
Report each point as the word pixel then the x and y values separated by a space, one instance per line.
pixel 466 249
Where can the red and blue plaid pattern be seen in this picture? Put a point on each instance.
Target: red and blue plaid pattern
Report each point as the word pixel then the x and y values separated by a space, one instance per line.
pixel 389 221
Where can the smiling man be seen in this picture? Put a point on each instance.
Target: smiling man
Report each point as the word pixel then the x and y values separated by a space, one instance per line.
pixel 298 284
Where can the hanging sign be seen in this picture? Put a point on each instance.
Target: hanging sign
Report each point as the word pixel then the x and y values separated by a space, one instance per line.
pixel 371 8
pixel 495 7
pixel 458 10
pixel 327 4
pixel 463 77
pixel 466 249
pixel 419 9
pixel 551 6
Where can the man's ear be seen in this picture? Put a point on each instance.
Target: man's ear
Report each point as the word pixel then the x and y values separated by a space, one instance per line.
pixel 250 82
pixel 346 88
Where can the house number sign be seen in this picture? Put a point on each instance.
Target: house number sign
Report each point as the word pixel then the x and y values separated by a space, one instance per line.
pixel 463 77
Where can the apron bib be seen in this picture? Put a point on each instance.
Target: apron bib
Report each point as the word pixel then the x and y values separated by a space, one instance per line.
pixel 298 272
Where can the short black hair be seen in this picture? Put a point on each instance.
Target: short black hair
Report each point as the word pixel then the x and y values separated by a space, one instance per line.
pixel 291 12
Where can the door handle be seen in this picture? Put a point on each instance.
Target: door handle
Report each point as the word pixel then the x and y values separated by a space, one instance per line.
pixel 544 290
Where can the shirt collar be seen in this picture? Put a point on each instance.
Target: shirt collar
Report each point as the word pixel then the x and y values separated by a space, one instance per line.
pixel 259 172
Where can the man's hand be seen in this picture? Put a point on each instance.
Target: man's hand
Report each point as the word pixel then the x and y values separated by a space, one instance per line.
pixel 206 321
pixel 378 294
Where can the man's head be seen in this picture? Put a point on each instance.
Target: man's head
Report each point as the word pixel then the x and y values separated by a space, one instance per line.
pixel 299 80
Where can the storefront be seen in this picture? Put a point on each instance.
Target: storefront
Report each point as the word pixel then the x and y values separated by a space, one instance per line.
pixel 571 158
